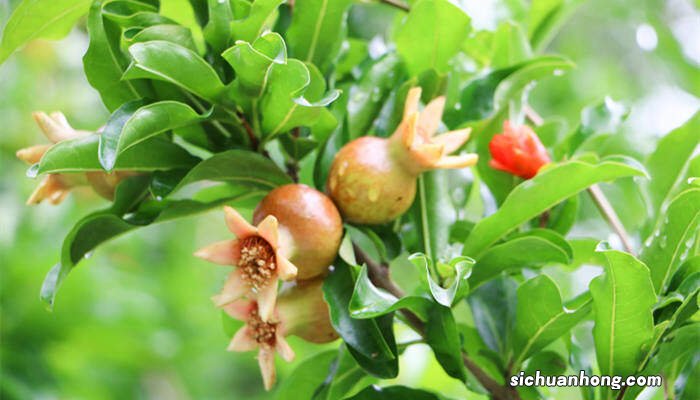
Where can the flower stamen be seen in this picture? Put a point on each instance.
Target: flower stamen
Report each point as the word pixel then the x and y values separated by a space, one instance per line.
pixel 264 333
pixel 257 261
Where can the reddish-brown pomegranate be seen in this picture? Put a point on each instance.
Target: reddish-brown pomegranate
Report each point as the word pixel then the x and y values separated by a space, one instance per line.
pixel 310 227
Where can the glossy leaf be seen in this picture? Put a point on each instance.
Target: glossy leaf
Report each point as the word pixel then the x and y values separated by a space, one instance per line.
pixel 307 376
pixel 493 306
pixel 546 17
pixel 342 377
pixel 431 34
pixel 541 318
pixel 366 97
pixel 393 393
pixel 442 336
pixel 433 214
pixel 536 195
pixel 261 16
pixel 295 97
pixel 680 346
pixel 104 63
pixel 362 335
pixel 671 242
pixel 40 19
pixel 605 117
pixel 252 63
pixel 217 32
pixel 483 96
pixel 169 62
pixel 172 33
pixel 80 155
pixel 368 301
pixel 510 46
pixel 236 166
pixel 669 161
pixel 622 301
pixel 316 31
pixel 525 74
pixel 515 254
pixel 457 284
pixel 133 123
pixel 120 218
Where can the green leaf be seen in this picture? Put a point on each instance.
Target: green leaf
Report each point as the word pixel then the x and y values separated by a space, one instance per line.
pixel 431 34
pixel 217 31
pixel 368 301
pixel 393 393
pixel 529 71
pixel 177 34
pixel 546 17
pixel 343 375
pixel 667 247
pixel 540 318
pixel 129 14
pixel 442 336
pixel 484 95
pixel 493 306
pixel 364 336
pixel 104 225
pixel 623 298
pixel 605 117
pixel 261 16
pixel 676 349
pixel 252 63
pixel 366 97
pixel 170 62
pixel 307 376
pixel 668 162
pixel 294 97
pixel 237 166
pixel 457 284
pixel 80 155
pixel 510 46
pixel 433 214
pixel 523 251
pixel 40 19
pixel 317 30
pixel 104 63
pixel 134 122
pixel 532 197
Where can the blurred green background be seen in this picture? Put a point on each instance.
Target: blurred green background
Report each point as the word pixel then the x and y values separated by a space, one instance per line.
pixel 135 320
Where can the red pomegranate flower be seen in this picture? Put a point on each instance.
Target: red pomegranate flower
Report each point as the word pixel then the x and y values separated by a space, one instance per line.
pixel 260 258
pixel 518 151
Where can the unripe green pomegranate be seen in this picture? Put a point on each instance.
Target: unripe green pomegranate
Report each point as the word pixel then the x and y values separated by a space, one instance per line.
pixel 373 180
pixel 310 227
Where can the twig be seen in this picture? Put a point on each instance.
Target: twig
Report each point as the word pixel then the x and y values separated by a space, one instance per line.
pixel 379 275
pixel 606 209
pixel 611 216
pixel 397 4
pixel 249 130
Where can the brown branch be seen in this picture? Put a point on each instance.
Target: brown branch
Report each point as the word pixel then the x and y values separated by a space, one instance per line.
pixel 254 143
pixel 599 198
pixel 608 212
pixel 379 275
